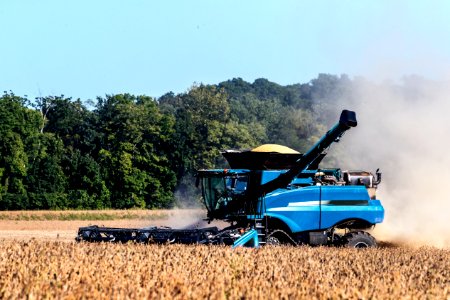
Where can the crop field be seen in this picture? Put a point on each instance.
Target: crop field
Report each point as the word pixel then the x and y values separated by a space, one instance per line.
pixel 48 266
pixel 46 269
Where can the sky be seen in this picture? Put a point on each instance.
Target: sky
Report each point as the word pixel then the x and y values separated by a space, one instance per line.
pixel 84 49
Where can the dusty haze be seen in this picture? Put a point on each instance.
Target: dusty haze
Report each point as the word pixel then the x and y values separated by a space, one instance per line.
pixel 404 129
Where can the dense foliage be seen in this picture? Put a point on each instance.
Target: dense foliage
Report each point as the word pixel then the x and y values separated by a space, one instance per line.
pixel 136 151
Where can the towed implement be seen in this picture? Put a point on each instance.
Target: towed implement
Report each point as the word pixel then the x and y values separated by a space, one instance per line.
pixel 275 195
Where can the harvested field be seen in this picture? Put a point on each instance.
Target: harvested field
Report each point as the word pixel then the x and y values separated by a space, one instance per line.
pixel 43 269
pixel 63 225
pixel 94 215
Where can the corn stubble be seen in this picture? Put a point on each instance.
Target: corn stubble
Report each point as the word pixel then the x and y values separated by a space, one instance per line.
pixel 40 269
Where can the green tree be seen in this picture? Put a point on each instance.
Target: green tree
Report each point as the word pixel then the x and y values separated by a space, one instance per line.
pixel 18 130
pixel 134 151
pixel 46 181
pixel 201 122
pixel 86 185
pixel 13 171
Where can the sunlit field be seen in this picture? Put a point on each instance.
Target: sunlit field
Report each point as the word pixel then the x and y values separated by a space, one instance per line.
pixel 50 269
pixel 39 259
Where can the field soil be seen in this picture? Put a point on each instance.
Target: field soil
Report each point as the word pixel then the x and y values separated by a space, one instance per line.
pixel 63 225
pixel 54 229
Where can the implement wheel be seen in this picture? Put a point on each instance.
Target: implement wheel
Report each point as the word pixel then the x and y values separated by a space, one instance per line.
pixel 360 239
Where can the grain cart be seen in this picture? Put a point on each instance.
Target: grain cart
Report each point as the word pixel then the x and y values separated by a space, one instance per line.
pixel 275 195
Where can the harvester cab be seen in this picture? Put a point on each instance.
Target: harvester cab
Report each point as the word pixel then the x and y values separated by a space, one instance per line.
pixel 224 191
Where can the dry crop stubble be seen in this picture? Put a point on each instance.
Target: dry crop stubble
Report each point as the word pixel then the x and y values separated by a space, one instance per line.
pixel 42 269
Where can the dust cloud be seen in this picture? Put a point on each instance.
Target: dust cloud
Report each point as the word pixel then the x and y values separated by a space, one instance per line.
pixel 189 211
pixel 404 129
pixel 185 218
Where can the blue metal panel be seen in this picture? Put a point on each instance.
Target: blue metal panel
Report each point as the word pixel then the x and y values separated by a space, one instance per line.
pixel 340 203
pixel 303 181
pixel 250 237
pixel 350 192
pixel 270 175
pixel 321 207
pixel 297 208
pixel 282 197
pixel 332 214
pixel 297 218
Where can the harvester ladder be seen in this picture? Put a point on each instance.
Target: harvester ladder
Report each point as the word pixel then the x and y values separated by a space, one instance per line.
pixel 261 229
pixel 260 221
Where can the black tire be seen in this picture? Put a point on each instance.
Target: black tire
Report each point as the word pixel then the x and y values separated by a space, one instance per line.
pixel 360 239
pixel 279 237
pixel 273 241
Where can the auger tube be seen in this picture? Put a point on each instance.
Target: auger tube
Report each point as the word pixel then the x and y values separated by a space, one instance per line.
pixel 347 120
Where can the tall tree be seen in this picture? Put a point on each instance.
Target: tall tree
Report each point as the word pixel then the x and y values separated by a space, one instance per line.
pixel 134 151
pixel 18 130
pixel 46 181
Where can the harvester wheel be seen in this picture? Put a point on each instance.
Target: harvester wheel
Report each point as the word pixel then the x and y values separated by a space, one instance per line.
pixel 279 237
pixel 272 241
pixel 360 239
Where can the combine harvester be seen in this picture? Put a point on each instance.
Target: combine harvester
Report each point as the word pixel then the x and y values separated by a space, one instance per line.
pixel 275 195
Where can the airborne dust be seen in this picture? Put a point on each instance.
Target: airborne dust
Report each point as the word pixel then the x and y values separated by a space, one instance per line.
pixel 404 129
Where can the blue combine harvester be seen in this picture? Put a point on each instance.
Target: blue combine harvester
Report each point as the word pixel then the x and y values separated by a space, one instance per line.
pixel 275 195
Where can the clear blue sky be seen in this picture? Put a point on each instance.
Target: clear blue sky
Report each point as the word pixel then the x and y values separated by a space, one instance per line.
pixel 92 48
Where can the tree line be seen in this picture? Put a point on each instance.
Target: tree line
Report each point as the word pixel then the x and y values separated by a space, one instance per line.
pixel 135 151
